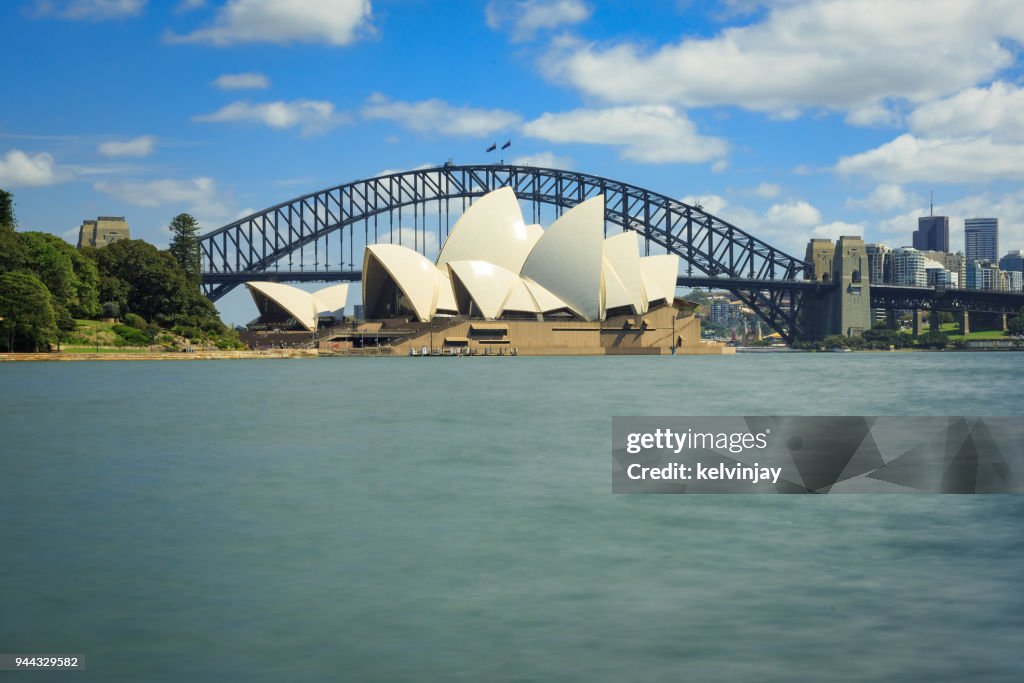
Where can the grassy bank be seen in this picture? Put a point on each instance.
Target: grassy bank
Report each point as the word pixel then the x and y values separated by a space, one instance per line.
pixel 96 336
pixel 952 330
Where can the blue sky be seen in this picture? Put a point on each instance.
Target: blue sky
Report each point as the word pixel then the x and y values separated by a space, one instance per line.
pixel 792 119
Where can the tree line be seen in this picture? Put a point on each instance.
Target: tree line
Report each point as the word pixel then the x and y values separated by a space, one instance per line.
pixel 46 284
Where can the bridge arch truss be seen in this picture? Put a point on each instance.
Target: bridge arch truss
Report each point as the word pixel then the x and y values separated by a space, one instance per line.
pixel 338 222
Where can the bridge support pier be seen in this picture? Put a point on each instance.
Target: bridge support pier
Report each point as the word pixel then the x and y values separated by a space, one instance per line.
pixel 918 321
pixel 1005 326
pixel 851 303
pixel 965 322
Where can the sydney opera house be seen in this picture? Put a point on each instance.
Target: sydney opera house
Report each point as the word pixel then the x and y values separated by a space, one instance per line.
pixel 502 287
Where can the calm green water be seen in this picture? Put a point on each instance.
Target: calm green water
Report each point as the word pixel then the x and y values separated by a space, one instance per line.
pixel 451 520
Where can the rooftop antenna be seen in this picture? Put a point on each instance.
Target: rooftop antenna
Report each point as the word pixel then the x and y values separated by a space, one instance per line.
pixel 931 202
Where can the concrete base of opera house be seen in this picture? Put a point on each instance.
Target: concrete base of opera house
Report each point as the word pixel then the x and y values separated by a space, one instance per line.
pixel 661 331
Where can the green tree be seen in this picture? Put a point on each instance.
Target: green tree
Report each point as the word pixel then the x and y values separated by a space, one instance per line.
pixel 12 251
pixel 151 283
pixel 70 276
pixel 87 282
pixel 185 245
pixel 141 279
pixel 933 339
pixel 45 257
pixel 7 219
pixel 65 325
pixel 27 311
pixel 883 338
pixel 1015 325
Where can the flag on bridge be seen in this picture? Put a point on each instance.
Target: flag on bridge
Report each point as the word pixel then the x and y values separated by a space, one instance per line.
pixel 493 147
pixel 507 145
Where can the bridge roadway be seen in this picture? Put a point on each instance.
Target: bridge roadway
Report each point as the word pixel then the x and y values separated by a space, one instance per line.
pixel 882 296
pixel 237 278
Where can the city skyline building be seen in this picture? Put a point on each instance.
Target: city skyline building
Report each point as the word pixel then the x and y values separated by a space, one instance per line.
pixel 908 267
pixel 932 234
pixel 879 263
pixel 954 263
pixel 983 275
pixel 1013 261
pixel 981 239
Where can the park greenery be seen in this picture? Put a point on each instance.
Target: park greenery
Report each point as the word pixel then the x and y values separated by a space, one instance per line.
pixel 879 338
pixel 882 338
pixel 48 289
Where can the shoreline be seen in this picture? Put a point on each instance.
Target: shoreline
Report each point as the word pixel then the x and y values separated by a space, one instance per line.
pixel 59 356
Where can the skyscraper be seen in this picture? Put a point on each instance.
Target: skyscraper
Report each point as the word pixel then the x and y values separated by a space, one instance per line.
pixel 908 267
pixel 932 233
pixel 879 264
pixel 1012 261
pixel 981 239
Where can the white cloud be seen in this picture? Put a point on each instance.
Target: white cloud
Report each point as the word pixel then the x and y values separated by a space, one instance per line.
pixel 91 10
pixel 712 203
pixel 242 81
pixel 846 55
pixel 141 146
pixel 997 110
pixel 524 18
pixel 885 197
pixel 159 192
pixel 18 169
pixel 976 135
pixel 874 114
pixel 652 134
pixel 543 160
pixel 797 214
pixel 911 158
pixel 904 223
pixel 768 190
pixel 198 196
pixel 438 116
pixel 312 116
pixel 785 225
pixel 836 229
pixel 331 22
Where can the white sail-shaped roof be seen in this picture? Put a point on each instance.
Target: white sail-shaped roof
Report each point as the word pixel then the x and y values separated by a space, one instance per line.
pixel 492 229
pixel 659 274
pixel 414 274
pixel 568 259
pixel 305 307
pixel 616 294
pixel 331 299
pixel 298 303
pixel 622 258
pixel 486 283
pixel 546 301
pixel 445 294
pixel 520 300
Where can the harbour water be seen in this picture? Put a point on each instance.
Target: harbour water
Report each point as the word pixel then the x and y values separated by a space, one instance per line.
pixel 452 520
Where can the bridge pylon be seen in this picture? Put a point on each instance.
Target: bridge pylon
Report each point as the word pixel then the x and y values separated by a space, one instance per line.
pixel 844 306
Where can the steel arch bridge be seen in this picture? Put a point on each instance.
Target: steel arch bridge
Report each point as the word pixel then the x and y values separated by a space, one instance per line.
pixel 345 218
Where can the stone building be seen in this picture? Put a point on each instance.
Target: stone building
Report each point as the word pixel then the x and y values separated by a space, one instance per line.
pixel 103 231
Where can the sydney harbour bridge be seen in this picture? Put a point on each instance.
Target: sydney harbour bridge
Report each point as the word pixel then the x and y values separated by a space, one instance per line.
pixel 321 236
